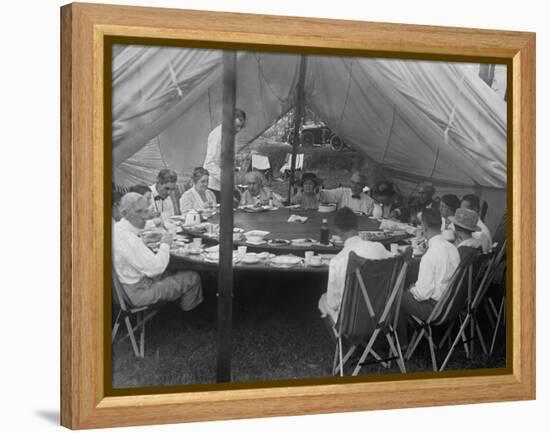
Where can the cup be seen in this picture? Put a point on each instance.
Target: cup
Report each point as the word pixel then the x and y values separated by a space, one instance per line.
pixel 414 242
pixel 241 251
pixel 315 261
pixel 394 248
pixel 197 242
pixel 308 256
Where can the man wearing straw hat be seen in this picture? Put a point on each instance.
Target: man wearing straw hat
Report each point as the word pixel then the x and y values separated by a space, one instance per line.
pixel 465 223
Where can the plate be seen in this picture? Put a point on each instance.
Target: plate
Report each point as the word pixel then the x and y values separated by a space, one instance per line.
pixel 254 209
pixel 319 265
pixel 278 242
pixel 286 260
pixel 250 259
pixel 304 242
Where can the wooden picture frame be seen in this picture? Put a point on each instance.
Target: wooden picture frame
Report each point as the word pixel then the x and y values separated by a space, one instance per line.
pixel 84 403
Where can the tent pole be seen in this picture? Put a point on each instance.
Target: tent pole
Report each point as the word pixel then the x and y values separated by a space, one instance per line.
pixel 225 274
pixel 298 116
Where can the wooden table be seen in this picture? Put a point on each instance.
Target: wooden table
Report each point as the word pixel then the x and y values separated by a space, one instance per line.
pixel 276 223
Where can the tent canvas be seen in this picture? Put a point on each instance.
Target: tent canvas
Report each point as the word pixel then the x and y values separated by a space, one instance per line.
pixel 413 120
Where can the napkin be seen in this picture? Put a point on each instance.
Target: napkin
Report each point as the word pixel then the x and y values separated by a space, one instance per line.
pixel 297 219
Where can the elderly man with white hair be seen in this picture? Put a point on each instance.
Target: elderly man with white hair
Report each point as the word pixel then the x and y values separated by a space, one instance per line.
pixel 140 270
pixel 355 197
pixel 257 193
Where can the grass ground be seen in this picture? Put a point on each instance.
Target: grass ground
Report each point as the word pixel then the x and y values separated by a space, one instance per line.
pixel 277 335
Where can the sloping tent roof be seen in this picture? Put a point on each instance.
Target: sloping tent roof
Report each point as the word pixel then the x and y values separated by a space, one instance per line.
pixel 415 120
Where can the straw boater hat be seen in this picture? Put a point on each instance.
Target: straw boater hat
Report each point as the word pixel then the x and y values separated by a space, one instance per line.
pixel 466 219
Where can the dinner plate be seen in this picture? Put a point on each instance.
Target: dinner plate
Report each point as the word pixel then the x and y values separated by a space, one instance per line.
pixel 319 265
pixel 304 242
pixel 286 260
pixel 254 209
pixel 278 242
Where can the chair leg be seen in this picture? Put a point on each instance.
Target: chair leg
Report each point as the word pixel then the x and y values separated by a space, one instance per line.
pixel 335 361
pixel 396 353
pixel 340 355
pixel 131 335
pixel 365 352
pixel 115 327
pixel 399 352
pixel 142 336
pixel 499 315
pixel 481 339
pixel 460 334
pixel 447 335
pixel 489 314
pixel 432 349
pixel 416 340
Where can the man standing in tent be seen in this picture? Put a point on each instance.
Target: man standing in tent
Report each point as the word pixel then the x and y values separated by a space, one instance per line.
pixel 212 161
pixel 163 204
pixel 355 197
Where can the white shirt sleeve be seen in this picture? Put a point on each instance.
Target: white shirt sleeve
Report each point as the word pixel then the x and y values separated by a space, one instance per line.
pixel 213 154
pixel 186 201
pixel 332 195
pixel 424 287
pixel 142 259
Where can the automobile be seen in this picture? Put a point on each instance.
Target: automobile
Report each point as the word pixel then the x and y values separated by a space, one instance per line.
pixel 317 135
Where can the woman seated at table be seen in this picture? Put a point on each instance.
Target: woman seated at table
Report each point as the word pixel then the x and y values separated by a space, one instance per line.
pixel 257 194
pixel 199 197
pixel 387 199
pixel 307 195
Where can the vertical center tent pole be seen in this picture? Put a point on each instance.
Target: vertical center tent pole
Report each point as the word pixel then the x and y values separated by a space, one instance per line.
pixel 225 274
pixel 298 115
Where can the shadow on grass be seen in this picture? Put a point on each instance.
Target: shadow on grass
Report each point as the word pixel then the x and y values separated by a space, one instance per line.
pixel 277 335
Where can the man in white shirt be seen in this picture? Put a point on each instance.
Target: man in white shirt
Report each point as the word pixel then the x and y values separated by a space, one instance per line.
pixel 354 197
pixel 345 222
pixel 257 193
pixel 140 270
pixel 212 161
pixel 472 201
pixel 163 204
pixel 436 269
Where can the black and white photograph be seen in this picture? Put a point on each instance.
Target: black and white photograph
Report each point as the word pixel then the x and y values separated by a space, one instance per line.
pixel 288 216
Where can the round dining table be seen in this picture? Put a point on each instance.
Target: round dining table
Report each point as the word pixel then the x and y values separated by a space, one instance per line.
pixel 276 223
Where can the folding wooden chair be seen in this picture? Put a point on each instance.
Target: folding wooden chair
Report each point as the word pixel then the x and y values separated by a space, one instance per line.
pixel 127 312
pixel 369 308
pixel 485 265
pixel 446 310
pixel 499 314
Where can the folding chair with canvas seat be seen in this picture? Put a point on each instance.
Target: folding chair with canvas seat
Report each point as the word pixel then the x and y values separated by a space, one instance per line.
pixel 447 309
pixel 499 314
pixel 285 168
pixel 127 311
pixel 476 294
pixel 369 308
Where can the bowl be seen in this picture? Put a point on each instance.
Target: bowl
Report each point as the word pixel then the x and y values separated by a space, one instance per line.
pixel 327 207
pixel 256 236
